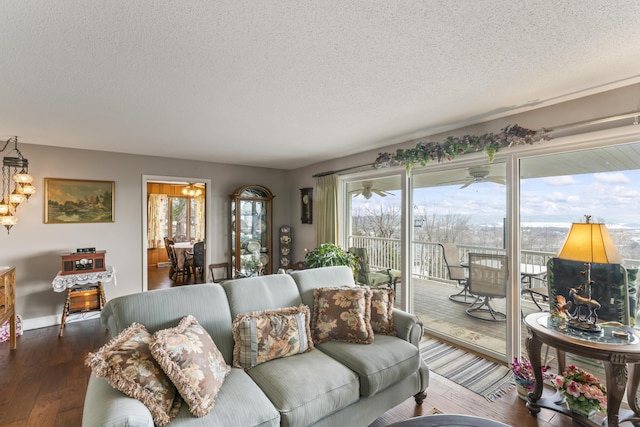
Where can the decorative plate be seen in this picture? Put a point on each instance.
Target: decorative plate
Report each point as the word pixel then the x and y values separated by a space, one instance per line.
pixel 264 259
pixel 253 246
pixel 284 251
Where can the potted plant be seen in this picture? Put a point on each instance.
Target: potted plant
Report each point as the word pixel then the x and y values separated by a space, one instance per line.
pixel 329 254
pixel 584 393
pixel 524 377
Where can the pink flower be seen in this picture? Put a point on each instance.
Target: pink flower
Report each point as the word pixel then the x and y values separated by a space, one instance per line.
pixel 559 381
pixel 573 388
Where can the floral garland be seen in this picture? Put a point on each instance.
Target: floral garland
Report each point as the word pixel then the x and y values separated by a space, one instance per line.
pixel 454 146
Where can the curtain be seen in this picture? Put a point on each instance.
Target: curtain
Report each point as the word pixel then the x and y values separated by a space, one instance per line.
pixel 157 210
pixel 327 209
pixel 198 218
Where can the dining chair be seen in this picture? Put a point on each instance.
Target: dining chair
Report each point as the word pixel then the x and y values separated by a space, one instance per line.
pixel 178 273
pixel 197 261
pixel 488 277
pixel 375 278
pixel 457 272
pixel 224 270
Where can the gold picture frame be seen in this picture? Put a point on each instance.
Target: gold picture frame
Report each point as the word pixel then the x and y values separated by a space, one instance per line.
pixel 73 201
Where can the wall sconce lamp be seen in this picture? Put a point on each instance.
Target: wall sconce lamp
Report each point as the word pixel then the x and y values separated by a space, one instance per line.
pixel 589 243
pixel 15 170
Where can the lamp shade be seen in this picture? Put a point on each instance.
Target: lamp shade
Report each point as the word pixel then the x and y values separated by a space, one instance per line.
pixel 590 242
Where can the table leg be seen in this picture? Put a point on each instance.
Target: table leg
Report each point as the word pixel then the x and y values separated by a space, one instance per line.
pixel 616 373
pixel 103 300
pixel 534 347
pixel 65 310
pixel 632 389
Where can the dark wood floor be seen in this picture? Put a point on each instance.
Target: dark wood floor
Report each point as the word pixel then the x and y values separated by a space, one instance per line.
pixel 43 383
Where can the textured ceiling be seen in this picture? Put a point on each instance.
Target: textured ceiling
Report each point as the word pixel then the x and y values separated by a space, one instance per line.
pixel 288 83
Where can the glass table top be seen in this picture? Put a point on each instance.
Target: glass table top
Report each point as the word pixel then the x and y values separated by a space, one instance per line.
pixel 611 333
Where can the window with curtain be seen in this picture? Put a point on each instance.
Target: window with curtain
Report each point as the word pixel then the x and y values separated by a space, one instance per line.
pixel 157 223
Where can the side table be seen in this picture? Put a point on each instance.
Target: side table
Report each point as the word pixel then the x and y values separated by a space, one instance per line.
pixel 85 293
pixel 615 353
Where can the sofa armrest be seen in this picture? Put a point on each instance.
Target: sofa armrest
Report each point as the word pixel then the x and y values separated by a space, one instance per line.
pixel 106 406
pixel 408 326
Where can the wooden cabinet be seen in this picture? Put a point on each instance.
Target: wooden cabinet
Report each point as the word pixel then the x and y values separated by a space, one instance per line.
pixel 251 230
pixel 8 301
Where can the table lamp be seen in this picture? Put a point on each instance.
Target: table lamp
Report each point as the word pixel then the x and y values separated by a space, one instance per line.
pixel 589 243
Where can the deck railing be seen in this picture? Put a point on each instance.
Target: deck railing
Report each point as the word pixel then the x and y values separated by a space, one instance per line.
pixel 428 260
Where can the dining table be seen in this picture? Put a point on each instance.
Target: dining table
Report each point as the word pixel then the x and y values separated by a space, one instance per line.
pixel 180 248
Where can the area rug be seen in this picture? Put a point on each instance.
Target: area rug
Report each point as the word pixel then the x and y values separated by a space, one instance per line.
pixel 473 372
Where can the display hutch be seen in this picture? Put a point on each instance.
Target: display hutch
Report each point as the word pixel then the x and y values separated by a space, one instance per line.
pixel 251 231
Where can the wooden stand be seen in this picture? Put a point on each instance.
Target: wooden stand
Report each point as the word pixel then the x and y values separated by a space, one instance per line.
pixel 82 299
pixel 8 302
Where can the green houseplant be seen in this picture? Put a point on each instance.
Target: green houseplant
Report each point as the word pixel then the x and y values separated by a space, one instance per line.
pixel 328 254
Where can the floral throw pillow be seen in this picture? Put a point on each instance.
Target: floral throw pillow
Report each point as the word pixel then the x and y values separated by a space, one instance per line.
pixel 381 308
pixel 270 334
pixel 342 314
pixel 126 362
pixel 193 362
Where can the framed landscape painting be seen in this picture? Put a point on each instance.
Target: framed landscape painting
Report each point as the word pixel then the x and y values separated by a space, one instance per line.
pixel 69 201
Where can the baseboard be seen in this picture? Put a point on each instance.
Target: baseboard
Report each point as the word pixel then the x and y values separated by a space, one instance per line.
pixel 53 320
pixel 163 264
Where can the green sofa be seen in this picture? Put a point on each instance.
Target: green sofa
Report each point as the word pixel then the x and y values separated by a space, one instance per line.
pixel 338 383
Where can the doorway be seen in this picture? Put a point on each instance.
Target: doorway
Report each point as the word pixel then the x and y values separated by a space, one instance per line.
pixel 175 208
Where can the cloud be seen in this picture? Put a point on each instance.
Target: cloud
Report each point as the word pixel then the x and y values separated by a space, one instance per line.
pixel 611 178
pixel 559 180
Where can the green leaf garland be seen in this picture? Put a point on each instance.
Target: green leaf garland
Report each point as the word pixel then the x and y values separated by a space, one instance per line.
pixel 454 146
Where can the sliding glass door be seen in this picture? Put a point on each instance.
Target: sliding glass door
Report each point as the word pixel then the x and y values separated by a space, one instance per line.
pixel 458 213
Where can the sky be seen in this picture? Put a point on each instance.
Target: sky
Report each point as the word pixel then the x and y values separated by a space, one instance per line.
pixel 612 197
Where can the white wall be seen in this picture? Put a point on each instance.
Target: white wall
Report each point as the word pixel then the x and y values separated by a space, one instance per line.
pixel 34 247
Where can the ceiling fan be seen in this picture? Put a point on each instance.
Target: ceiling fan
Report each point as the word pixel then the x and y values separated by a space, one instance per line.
pixel 479 174
pixel 367 191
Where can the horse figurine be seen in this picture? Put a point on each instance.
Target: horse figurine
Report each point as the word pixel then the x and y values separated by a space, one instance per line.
pixel 591 305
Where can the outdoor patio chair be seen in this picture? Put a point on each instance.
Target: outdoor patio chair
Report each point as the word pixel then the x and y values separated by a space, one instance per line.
pixel 488 276
pixel 457 272
pixel 375 278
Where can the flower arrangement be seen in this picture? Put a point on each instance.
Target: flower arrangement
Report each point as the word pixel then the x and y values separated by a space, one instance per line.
pixel 582 390
pixel 523 373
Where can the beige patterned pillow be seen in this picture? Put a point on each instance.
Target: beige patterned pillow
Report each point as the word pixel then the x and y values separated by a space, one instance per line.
pixel 381 308
pixel 342 314
pixel 127 364
pixel 270 334
pixel 193 362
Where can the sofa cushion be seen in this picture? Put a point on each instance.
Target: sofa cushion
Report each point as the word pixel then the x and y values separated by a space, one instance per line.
pixel 270 334
pixel 381 309
pixel 164 308
pixel 261 293
pixel 192 361
pixel 384 362
pixel 310 279
pixel 126 362
pixel 342 314
pixel 306 387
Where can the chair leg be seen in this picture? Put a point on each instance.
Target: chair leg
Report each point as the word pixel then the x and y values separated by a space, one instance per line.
pixel 485 311
pixel 463 297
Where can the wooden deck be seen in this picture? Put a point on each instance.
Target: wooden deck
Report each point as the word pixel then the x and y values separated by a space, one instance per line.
pixel 448 319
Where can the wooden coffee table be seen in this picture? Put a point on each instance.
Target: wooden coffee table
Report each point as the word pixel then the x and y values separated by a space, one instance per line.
pixel 448 420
